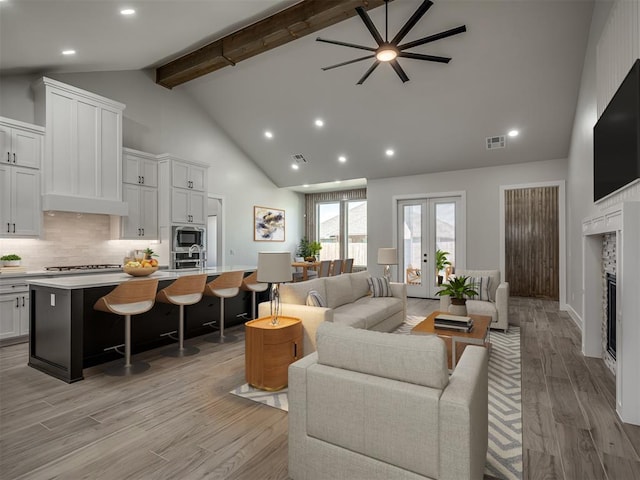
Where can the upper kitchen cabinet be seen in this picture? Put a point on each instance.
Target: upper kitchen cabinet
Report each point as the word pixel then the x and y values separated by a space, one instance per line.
pixel 182 191
pixel 20 214
pixel 188 175
pixel 82 165
pixel 20 143
pixel 139 168
pixel 139 190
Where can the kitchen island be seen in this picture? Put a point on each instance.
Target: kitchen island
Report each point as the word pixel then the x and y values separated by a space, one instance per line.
pixel 67 335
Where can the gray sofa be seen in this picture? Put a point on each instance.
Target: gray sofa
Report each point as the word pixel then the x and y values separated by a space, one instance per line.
pixel 377 406
pixel 348 303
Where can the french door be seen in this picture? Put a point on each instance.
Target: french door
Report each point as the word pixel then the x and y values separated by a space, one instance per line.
pixel 426 225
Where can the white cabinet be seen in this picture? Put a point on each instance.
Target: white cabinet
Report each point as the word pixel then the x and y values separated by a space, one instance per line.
pixel 186 175
pixel 142 221
pixel 20 214
pixel 182 192
pixel 139 168
pixel 187 206
pixel 20 143
pixel 140 179
pixel 14 309
pixel 82 165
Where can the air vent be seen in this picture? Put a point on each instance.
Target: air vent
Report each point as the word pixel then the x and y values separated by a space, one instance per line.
pixel 496 142
pixel 299 158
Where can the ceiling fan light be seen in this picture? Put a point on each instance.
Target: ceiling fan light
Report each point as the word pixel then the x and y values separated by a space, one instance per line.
pixel 386 54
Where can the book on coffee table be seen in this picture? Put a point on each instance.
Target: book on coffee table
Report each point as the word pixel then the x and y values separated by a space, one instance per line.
pixel 453 322
pixel 457 328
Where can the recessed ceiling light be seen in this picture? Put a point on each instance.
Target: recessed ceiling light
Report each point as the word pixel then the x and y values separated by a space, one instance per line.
pixel 338 181
pixel 306 185
pixel 68 52
pixel 513 133
pixel 389 152
pixel 268 134
pixel 295 166
pixel 127 11
pixel 342 158
pixel 319 122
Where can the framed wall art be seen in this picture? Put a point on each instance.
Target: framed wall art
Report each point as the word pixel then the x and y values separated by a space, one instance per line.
pixel 269 224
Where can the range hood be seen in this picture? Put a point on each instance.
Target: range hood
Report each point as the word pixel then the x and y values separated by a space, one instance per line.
pixel 78 204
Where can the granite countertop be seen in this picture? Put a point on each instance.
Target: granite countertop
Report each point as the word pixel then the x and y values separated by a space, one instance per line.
pixel 73 282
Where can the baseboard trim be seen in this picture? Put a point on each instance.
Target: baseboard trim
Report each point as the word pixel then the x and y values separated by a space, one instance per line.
pixel 574 316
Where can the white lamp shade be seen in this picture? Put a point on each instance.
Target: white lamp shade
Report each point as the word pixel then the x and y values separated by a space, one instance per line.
pixel 274 267
pixel 387 256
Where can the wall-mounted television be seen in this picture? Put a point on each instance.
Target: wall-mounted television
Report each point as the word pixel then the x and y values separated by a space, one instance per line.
pixel 616 139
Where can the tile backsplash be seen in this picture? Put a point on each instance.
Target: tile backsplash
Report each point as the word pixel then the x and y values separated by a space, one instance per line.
pixel 73 239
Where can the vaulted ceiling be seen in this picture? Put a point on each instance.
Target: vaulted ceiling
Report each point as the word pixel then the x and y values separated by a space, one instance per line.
pixel 517 66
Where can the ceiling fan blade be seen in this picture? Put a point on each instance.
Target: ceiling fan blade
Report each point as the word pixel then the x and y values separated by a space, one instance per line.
pixel 370 26
pixel 345 44
pixel 417 15
pixel 433 38
pixel 419 56
pixel 368 72
pixel 347 62
pixel 396 66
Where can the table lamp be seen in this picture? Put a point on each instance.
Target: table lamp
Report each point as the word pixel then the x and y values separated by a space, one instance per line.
pixel 274 268
pixel 387 256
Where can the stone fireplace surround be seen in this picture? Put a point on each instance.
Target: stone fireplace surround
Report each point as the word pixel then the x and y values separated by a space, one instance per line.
pixel 623 220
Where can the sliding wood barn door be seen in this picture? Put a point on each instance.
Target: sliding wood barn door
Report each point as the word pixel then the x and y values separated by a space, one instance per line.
pixel 531 242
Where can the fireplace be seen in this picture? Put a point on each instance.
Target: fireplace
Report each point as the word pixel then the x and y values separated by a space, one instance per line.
pixel 611 315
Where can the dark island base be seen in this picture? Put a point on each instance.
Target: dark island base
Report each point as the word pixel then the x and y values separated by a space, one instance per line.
pixel 68 335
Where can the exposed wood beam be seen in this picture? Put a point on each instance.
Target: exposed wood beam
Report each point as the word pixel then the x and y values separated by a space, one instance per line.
pixel 294 22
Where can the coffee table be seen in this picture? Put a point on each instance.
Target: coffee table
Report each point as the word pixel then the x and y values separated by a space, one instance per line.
pixel 455 340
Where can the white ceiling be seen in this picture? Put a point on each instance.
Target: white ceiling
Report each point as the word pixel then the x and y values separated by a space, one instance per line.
pixel 517 66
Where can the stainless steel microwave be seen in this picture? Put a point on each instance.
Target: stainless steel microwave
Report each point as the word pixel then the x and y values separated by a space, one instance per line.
pixel 185 237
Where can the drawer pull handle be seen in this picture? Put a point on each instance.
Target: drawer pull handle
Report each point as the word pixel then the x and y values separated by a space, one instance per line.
pixel 295 350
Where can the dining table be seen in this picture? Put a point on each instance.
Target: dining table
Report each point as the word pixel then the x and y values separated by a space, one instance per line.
pixel 305 266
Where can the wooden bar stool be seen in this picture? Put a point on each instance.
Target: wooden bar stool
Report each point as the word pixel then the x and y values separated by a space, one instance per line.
pixel 185 290
pixel 132 297
pixel 251 284
pixel 226 285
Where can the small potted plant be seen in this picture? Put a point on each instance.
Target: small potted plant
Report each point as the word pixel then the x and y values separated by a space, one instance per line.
pixel 458 289
pixel 308 250
pixel 441 263
pixel 12 260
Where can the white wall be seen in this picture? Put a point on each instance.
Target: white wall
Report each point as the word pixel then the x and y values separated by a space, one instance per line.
pixel 158 120
pixel 580 162
pixel 482 187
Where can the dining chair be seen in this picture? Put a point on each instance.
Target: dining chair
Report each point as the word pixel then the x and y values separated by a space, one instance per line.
pixel 325 268
pixel 337 268
pixel 347 267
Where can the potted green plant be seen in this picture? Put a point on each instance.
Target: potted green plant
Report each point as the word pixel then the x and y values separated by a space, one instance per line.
pixel 11 260
pixel 441 263
pixel 308 250
pixel 458 289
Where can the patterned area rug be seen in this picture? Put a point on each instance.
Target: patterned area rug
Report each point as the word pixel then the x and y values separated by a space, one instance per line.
pixel 504 456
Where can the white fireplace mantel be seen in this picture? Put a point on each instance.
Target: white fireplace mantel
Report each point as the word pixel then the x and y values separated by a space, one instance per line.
pixel 624 220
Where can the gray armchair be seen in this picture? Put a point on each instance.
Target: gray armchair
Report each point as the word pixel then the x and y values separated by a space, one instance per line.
pixel 371 405
pixel 498 305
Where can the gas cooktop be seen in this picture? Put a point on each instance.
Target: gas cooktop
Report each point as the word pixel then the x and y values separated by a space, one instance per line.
pixel 69 268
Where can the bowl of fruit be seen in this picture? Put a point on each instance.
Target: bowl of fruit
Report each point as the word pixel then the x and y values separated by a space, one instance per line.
pixel 140 269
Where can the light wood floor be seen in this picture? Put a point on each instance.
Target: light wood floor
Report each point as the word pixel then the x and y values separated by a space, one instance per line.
pixel 178 420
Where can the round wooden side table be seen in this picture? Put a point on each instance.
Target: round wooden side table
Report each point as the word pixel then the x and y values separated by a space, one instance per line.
pixel 269 350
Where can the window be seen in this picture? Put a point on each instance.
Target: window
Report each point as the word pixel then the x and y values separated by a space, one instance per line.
pixel 341 226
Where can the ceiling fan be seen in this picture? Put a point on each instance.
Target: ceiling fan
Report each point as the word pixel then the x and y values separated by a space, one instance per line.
pixel 389 51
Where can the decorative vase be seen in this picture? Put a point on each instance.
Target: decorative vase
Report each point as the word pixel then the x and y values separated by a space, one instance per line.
pixel 440 279
pixel 310 259
pixel 458 307
pixel 12 263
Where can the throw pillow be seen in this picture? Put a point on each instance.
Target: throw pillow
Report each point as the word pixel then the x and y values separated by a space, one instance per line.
pixel 314 299
pixel 379 287
pixel 480 285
